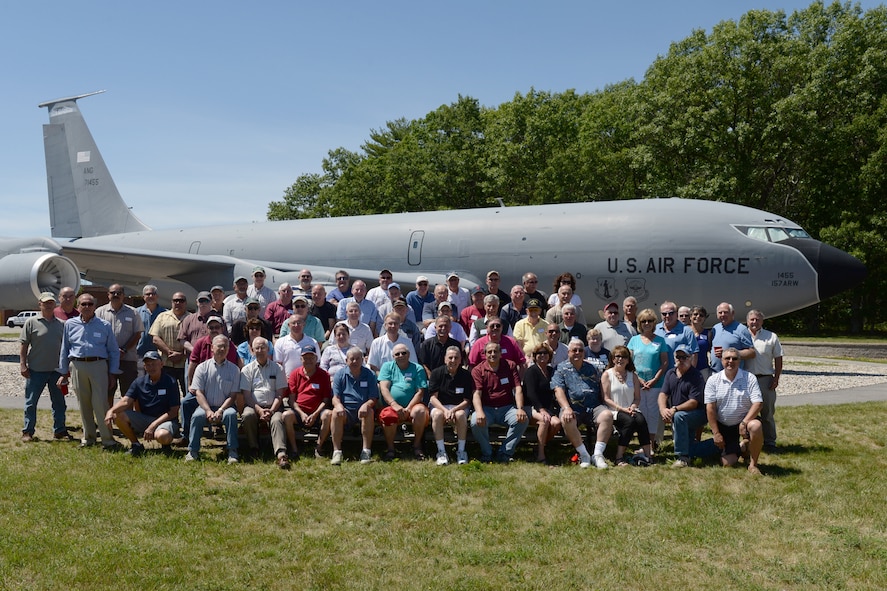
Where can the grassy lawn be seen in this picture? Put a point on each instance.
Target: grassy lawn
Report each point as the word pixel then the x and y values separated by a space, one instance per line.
pixel 91 520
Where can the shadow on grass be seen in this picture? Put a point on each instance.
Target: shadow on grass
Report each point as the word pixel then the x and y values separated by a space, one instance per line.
pixel 848 374
pixel 798 449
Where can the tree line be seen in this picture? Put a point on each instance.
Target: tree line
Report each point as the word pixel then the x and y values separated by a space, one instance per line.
pixel 785 113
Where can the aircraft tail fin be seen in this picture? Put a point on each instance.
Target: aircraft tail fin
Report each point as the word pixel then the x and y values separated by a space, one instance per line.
pixel 83 199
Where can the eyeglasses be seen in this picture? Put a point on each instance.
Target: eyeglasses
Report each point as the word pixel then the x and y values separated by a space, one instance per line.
pixel 648 321
pixel 494 326
pixel 731 358
pixel 252 307
pixel 341 279
pixel 698 314
pixel 681 357
pixel 87 304
pixel 668 313
pixel 113 293
pixel 422 283
pixel 386 278
pixel 178 300
pixel 401 353
pixel 150 294
pixel 553 331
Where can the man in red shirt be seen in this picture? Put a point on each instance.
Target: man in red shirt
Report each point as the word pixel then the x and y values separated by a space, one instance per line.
pixel 311 396
pixel 498 400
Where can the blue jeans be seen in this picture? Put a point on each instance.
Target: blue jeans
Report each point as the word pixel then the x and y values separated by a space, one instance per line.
pixel 199 421
pixel 503 415
pixel 189 405
pixel 33 389
pixel 684 426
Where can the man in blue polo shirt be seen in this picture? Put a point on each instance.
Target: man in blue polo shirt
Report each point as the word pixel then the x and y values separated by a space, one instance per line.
pixel 729 333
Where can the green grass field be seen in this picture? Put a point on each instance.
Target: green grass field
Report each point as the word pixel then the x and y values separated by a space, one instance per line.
pixel 92 520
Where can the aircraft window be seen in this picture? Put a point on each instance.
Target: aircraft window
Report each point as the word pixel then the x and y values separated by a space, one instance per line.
pixel 772 234
pixel 757 234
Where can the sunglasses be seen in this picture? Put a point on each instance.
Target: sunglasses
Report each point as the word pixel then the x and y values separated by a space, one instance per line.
pixel 402 354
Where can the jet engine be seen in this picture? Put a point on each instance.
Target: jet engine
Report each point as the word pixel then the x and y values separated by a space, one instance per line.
pixel 24 275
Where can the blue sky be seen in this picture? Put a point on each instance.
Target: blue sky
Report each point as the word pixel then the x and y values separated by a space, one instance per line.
pixel 214 108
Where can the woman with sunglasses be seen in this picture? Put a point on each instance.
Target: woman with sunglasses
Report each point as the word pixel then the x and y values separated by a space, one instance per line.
pixel 650 354
pixel 621 390
pixel 540 396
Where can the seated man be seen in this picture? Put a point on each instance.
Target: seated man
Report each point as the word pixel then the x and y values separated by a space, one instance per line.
pixel 577 388
pixel 402 385
pixel 263 389
pixel 732 402
pixel 157 395
pixel 451 387
pixel 310 397
pixel 681 406
pixel 216 385
pixel 355 396
pixel 498 399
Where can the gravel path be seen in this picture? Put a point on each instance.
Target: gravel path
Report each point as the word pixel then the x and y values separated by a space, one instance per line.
pixel 801 375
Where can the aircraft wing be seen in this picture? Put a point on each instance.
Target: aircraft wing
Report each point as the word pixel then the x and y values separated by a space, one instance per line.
pixel 137 266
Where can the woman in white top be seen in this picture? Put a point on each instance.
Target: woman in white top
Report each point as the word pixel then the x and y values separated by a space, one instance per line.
pixel 336 351
pixel 622 393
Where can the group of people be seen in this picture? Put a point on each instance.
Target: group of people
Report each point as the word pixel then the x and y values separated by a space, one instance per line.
pixel 300 358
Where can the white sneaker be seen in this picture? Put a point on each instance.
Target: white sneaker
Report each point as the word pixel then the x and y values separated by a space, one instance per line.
pixel 679 464
pixel 232 457
pixel 366 456
pixel 442 459
pixel 585 461
pixel 599 462
pixel 462 457
pixel 191 457
pixel 337 457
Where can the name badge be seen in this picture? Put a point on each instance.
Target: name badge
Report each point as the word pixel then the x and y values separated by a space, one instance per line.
pixel 363 384
pixel 671 336
pixel 161 391
pixel 541 330
pixel 504 351
pixel 474 316
pixel 97 335
pixel 503 381
pixel 483 332
pixel 315 386
pixel 460 390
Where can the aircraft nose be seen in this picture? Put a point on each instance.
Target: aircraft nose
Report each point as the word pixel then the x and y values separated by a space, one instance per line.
pixel 837 270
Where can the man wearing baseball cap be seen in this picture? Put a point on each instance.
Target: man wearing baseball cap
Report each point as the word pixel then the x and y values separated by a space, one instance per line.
pixel 41 343
pixel 158 397
pixel 681 404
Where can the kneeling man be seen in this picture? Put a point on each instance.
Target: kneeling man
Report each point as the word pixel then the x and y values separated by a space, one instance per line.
pixel 157 395
pixel 732 403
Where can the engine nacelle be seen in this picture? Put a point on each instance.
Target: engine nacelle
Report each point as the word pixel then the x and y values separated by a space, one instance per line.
pixel 23 276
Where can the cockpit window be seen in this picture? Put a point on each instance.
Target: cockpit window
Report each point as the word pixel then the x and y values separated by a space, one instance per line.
pixel 772 233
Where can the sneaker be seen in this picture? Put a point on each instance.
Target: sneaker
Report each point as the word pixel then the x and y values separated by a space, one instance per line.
pixel 27 438
pixel 599 462
pixel 318 453
pixel 462 457
pixel 191 457
pixel 641 459
pixel 679 463
pixel 442 459
pixel 136 449
pixel 366 456
pixel 232 457
pixel 87 442
pixel 585 461
pixel 337 457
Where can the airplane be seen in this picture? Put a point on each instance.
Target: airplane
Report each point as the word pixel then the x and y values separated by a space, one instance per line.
pixel 684 250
